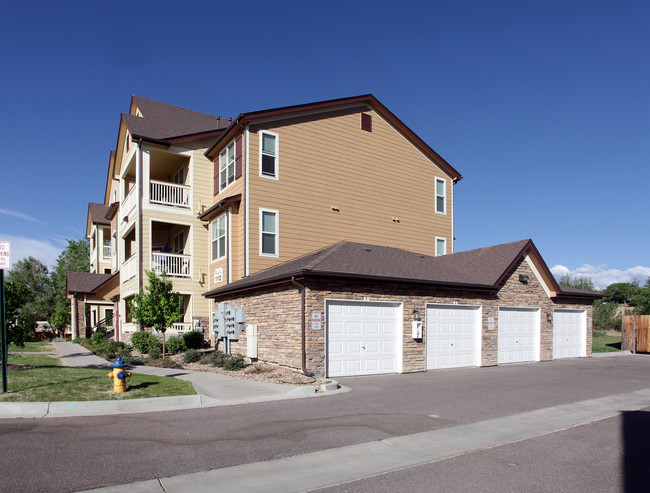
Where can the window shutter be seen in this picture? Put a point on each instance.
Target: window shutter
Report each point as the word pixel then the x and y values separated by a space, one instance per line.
pixel 216 176
pixel 238 159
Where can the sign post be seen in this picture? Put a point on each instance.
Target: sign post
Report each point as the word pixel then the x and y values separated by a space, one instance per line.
pixel 5 263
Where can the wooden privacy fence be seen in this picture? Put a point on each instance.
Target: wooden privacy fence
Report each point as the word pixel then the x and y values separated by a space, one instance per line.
pixel 636 333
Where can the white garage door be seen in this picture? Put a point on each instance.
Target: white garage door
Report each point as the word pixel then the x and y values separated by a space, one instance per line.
pixel 363 338
pixel 569 334
pixel 518 335
pixel 453 336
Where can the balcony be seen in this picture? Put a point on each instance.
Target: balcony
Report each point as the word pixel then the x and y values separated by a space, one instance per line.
pixel 169 194
pixel 129 203
pixel 106 251
pixel 128 269
pixel 181 327
pixel 173 264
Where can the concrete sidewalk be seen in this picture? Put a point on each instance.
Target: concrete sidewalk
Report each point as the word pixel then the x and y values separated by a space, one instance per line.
pixel 213 390
pixel 337 466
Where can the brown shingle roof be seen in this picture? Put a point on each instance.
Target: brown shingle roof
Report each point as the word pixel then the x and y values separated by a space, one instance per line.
pixel 97 213
pixel 162 121
pixel 480 269
pixel 85 282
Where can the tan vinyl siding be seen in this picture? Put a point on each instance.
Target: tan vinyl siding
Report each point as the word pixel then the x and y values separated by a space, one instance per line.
pixel 383 186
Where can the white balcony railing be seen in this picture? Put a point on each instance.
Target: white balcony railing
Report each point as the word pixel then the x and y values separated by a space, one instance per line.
pixel 174 264
pixel 130 327
pixel 169 194
pixel 128 269
pixel 129 203
pixel 106 250
pixel 181 327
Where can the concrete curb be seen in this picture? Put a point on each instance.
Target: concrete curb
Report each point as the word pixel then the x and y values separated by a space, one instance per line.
pixel 611 353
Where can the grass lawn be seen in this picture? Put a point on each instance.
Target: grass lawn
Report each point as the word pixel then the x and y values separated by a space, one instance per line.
pixel 605 343
pixel 42 378
pixel 32 347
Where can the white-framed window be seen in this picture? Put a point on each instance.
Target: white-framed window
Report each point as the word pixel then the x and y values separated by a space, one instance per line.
pixel 179 243
pixel 441 246
pixel 441 196
pixel 269 232
pixel 218 238
pixel 269 154
pixel 227 166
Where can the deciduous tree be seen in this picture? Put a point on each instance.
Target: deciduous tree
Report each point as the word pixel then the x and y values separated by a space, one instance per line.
pixel 157 306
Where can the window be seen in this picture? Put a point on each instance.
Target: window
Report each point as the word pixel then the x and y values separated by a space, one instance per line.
pixel 179 177
pixel 441 196
pixel 441 246
pixel 227 166
pixel 269 155
pixel 219 238
pixel 268 233
pixel 179 243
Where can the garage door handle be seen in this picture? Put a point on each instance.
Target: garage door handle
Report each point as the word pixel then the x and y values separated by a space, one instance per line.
pixel 363 347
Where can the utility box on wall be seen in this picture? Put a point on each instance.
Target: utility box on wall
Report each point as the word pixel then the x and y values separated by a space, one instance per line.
pixel 251 341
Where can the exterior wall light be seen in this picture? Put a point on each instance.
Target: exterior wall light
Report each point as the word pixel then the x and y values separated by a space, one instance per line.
pixel 549 317
pixel 416 315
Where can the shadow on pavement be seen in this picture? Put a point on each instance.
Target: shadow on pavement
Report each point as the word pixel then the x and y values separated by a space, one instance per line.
pixel 636 450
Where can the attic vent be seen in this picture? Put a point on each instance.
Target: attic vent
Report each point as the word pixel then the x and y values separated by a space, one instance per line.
pixel 366 122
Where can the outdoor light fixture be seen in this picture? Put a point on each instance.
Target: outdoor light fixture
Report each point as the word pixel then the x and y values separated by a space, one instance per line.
pixel 416 315
pixel 549 317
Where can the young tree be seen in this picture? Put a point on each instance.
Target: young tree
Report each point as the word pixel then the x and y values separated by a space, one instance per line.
pixel 157 306
pixel 75 258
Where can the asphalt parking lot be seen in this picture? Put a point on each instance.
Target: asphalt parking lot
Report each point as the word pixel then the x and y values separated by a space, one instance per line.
pixel 84 453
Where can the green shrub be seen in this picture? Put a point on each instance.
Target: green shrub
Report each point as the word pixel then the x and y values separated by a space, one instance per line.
pixel 218 358
pixel 174 345
pixel 143 341
pixel 78 340
pixel 193 339
pixel 133 360
pixel 192 356
pixel 155 352
pixel 234 362
pixel 163 363
pixel 98 336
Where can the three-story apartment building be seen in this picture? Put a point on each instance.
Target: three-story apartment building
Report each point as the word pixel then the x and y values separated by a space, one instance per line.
pixel 330 226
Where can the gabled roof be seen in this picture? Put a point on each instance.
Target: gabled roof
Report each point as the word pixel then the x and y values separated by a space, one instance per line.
pixel 367 99
pixel 85 282
pixel 97 214
pixel 483 269
pixel 162 122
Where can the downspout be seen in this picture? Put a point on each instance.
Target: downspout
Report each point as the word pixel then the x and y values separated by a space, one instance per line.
pixel 139 179
pixel 301 288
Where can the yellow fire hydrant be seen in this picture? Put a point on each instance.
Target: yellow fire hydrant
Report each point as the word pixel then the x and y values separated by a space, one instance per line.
pixel 118 375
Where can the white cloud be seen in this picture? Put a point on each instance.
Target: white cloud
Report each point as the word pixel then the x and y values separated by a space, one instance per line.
pixel 22 247
pixel 603 277
pixel 20 215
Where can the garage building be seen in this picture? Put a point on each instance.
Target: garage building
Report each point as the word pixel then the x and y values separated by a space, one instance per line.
pixel 359 309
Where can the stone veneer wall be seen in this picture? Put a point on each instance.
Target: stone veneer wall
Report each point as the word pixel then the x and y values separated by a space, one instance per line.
pixel 276 311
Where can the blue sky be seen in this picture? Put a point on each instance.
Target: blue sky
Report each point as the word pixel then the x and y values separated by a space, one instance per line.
pixel 544 107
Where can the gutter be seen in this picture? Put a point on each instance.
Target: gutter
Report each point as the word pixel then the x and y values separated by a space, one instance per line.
pixel 301 289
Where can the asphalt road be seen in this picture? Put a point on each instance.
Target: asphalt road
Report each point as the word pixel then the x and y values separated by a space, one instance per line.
pixel 610 455
pixel 69 454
